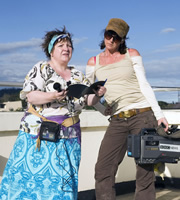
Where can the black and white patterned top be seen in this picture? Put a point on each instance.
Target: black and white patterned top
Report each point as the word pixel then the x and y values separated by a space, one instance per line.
pixel 42 78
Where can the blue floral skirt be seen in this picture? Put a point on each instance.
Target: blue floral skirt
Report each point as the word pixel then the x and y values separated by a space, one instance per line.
pixel 48 174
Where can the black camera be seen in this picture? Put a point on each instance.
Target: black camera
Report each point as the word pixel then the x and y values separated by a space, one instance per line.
pixel 149 148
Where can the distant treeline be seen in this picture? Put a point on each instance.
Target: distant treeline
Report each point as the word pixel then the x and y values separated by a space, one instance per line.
pixel 10 94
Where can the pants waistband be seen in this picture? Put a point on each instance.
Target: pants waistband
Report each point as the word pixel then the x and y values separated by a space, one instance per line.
pixel 130 113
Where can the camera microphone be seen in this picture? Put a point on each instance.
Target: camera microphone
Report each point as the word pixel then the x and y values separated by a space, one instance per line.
pixel 57 87
pixel 68 83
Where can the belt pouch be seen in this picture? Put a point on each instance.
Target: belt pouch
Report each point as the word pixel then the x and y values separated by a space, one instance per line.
pixel 49 131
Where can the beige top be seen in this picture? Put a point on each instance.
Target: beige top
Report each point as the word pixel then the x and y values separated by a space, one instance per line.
pixel 127 86
pixel 122 84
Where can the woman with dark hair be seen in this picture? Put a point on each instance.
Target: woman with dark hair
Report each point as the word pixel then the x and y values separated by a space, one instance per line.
pixel 45 158
pixel 132 106
pixel 122 47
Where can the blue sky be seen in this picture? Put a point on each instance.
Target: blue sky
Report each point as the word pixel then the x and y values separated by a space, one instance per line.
pixel 154 32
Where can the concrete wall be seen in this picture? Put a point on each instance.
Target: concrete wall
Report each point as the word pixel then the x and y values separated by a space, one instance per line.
pixel 93 126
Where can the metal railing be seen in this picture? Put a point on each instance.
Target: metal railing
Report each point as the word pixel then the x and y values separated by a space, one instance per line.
pixel 155 88
pixel 11 84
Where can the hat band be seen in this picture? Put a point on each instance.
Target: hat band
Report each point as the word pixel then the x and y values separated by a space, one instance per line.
pixel 54 39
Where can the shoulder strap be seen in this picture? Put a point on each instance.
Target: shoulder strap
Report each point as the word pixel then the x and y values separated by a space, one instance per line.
pixel 34 112
pixel 97 59
pixel 128 53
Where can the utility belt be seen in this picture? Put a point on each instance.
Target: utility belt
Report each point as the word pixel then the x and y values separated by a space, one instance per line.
pixel 130 113
pixel 50 130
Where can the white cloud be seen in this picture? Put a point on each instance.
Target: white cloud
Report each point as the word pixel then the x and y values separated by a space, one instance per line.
pixel 168 48
pixel 86 50
pixel 17 58
pixel 79 40
pixel 14 66
pixel 82 68
pixel 163 72
pixel 167 30
pixel 6 48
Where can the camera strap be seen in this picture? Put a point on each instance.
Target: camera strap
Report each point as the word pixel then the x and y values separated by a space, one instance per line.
pixel 34 112
pixel 66 122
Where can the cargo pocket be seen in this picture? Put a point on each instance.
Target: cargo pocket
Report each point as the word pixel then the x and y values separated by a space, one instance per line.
pixel 149 120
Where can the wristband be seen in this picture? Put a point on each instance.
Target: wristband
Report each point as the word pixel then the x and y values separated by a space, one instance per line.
pixel 99 96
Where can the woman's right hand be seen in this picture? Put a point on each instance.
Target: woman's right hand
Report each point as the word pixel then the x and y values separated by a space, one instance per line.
pixel 59 96
pixel 164 122
pixel 108 111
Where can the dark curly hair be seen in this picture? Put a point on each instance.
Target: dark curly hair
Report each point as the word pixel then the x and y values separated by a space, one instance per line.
pixel 122 47
pixel 50 34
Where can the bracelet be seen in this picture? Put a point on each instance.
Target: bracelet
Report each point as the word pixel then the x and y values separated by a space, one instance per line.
pixel 99 96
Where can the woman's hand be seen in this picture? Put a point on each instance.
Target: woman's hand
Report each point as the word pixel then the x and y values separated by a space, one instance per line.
pixel 39 97
pixel 163 121
pixel 59 96
pixel 93 99
pixel 100 92
pixel 108 110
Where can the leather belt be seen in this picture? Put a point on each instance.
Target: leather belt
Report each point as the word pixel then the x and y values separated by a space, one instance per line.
pixel 130 113
pixel 70 121
pixel 67 122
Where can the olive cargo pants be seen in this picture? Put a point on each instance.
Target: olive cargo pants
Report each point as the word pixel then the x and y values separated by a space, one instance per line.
pixel 111 154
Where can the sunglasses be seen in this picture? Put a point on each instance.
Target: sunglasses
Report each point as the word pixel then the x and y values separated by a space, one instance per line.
pixel 111 34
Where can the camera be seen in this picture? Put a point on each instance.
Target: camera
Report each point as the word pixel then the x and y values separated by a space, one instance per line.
pixel 149 148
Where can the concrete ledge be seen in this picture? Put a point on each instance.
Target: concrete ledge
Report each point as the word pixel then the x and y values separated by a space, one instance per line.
pixel 10 121
pixel 93 125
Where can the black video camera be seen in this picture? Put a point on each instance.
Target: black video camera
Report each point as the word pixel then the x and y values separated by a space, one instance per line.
pixel 149 148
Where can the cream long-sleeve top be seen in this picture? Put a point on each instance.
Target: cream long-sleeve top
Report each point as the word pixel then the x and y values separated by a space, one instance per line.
pixel 127 86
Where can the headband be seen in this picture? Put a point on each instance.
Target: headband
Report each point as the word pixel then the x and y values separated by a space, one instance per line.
pixel 54 39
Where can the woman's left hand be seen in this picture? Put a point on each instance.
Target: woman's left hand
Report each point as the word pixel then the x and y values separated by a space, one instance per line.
pixel 100 92
pixel 163 121
pixel 93 99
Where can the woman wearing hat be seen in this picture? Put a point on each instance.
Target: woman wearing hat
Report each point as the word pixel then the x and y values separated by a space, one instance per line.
pixel 51 124
pixel 132 104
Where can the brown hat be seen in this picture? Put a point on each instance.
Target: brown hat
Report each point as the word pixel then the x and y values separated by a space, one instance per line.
pixel 119 26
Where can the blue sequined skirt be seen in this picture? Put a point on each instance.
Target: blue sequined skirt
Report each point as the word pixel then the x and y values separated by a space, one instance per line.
pixel 48 174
